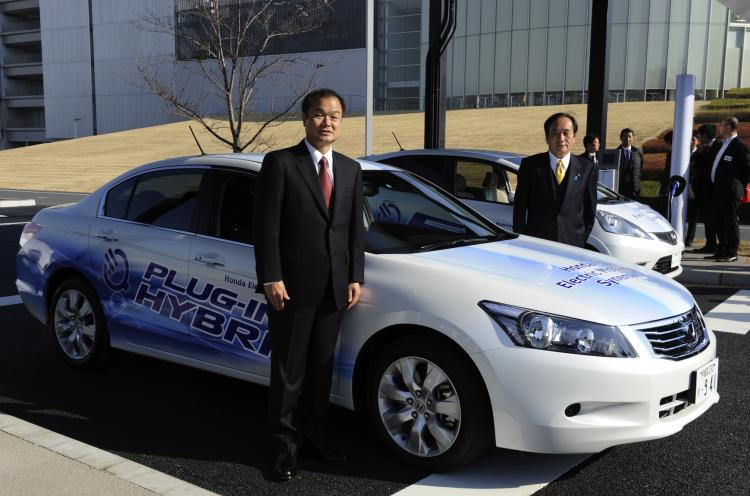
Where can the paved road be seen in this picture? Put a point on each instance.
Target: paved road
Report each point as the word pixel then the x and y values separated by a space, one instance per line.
pixel 210 430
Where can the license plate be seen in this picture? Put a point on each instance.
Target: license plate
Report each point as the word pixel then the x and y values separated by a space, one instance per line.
pixel 704 381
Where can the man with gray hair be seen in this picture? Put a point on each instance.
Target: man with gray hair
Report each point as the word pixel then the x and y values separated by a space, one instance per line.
pixel 730 173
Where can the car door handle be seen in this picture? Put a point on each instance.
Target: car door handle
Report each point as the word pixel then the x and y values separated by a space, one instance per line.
pixel 209 260
pixel 107 235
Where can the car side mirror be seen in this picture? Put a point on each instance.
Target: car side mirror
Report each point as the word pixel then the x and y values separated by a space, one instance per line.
pixel 370 189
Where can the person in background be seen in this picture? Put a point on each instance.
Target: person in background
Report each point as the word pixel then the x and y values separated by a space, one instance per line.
pixel 730 172
pixel 692 204
pixel 556 193
pixel 631 162
pixel 591 144
pixel 701 163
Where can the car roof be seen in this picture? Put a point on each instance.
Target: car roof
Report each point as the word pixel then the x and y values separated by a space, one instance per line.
pixel 248 161
pixel 491 155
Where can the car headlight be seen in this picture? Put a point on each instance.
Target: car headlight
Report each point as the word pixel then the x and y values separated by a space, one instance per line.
pixel 617 225
pixel 532 329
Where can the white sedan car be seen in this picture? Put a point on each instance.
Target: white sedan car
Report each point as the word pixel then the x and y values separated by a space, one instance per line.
pixel 466 336
pixel 486 180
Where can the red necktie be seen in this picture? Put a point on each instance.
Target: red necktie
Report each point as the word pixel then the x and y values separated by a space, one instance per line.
pixel 325 181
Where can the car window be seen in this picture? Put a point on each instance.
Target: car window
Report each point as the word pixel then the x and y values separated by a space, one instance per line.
pixel 404 214
pixel 116 204
pixel 436 169
pixel 165 199
pixel 481 181
pixel 234 212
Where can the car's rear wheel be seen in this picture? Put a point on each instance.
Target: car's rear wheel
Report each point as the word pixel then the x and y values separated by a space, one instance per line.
pixel 427 403
pixel 77 324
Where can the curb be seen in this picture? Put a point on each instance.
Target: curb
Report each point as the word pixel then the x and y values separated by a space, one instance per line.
pixel 17 203
pixel 130 471
pixel 714 277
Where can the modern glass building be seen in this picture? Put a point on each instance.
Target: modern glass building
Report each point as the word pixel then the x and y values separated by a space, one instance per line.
pixel 71 68
pixel 535 52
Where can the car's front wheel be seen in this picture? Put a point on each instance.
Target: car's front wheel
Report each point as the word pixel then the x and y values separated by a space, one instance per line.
pixel 77 324
pixel 427 403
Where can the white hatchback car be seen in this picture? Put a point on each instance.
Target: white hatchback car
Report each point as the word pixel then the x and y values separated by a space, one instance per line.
pixel 486 180
pixel 466 335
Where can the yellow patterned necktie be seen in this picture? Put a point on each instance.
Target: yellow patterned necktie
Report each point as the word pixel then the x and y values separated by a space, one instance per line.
pixel 559 171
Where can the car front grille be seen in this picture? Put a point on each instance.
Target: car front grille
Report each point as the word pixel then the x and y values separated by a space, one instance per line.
pixel 677 338
pixel 664 265
pixel 668 237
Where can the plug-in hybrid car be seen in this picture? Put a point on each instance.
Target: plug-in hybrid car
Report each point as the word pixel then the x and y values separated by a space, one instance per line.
pixel 466 335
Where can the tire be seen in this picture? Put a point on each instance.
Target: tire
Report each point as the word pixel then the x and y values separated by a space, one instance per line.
pixel 77 326
pixel 440 420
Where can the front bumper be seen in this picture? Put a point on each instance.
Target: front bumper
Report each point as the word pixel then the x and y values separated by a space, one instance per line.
pixel 622 400
pixel 649 253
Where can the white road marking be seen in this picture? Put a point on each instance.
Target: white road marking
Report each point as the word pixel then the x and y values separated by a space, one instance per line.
pixel 13 223
pixel 731 315
pixel 6 301
pixel 500 473
pixel 17 203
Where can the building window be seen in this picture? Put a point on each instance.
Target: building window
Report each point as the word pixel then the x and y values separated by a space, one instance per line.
pixel 343 27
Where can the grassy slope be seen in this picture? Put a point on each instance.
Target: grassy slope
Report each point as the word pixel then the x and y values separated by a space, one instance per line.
pixel 84 164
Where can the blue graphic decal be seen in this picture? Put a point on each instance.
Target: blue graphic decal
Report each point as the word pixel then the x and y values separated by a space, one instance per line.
pixel 116 270
pixel 206 308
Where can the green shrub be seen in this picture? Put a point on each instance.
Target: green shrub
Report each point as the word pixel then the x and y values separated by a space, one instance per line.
pixel 737 93
pixel 729 103
pixel 708 116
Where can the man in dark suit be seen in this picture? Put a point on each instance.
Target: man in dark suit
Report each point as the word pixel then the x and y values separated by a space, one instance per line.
pixel 730 172
pixel 591 145
pixel 555 197
pixel 309 249
pixel 631 162
pixel 700 179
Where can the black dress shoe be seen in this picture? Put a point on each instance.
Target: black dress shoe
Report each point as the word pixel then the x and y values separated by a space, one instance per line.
pixel 729 258
pixel 705 249
pixel 715 256
pixel 329 454
pixel 285 467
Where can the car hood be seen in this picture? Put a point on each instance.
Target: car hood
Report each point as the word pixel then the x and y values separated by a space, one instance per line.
pixel 639 214
pixel 551 277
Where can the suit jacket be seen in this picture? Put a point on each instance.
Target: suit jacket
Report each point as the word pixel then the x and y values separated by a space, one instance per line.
pixel 585 156
pixel 700 170
pixel 733 171
pixel 300 241
pixel 630 172
pixel 563 212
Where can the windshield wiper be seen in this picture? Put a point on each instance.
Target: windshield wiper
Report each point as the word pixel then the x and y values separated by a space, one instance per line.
pixel 446 243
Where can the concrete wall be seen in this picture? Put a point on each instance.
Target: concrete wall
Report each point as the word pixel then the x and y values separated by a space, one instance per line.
pixel 123 41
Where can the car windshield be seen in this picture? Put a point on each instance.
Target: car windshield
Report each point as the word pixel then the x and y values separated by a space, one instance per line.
pixel 404 214
pixel 606 195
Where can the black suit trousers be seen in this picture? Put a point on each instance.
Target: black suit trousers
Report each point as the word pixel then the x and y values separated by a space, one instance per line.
pixel 303 340
pixel 728 225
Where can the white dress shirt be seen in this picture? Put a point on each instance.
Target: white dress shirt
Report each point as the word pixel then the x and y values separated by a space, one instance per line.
pixel 553 162
pixel 316 156
pixel 719 155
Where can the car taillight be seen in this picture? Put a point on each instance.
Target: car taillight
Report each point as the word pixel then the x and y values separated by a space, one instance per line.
pixel 29 231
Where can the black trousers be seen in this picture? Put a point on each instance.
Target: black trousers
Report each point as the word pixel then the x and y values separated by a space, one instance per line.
pixel 727 212
pixel 303 341
pixel 706 209
pixel 692 220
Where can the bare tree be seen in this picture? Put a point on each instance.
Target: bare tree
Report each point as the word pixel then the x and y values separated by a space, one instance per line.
pixel 225 50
